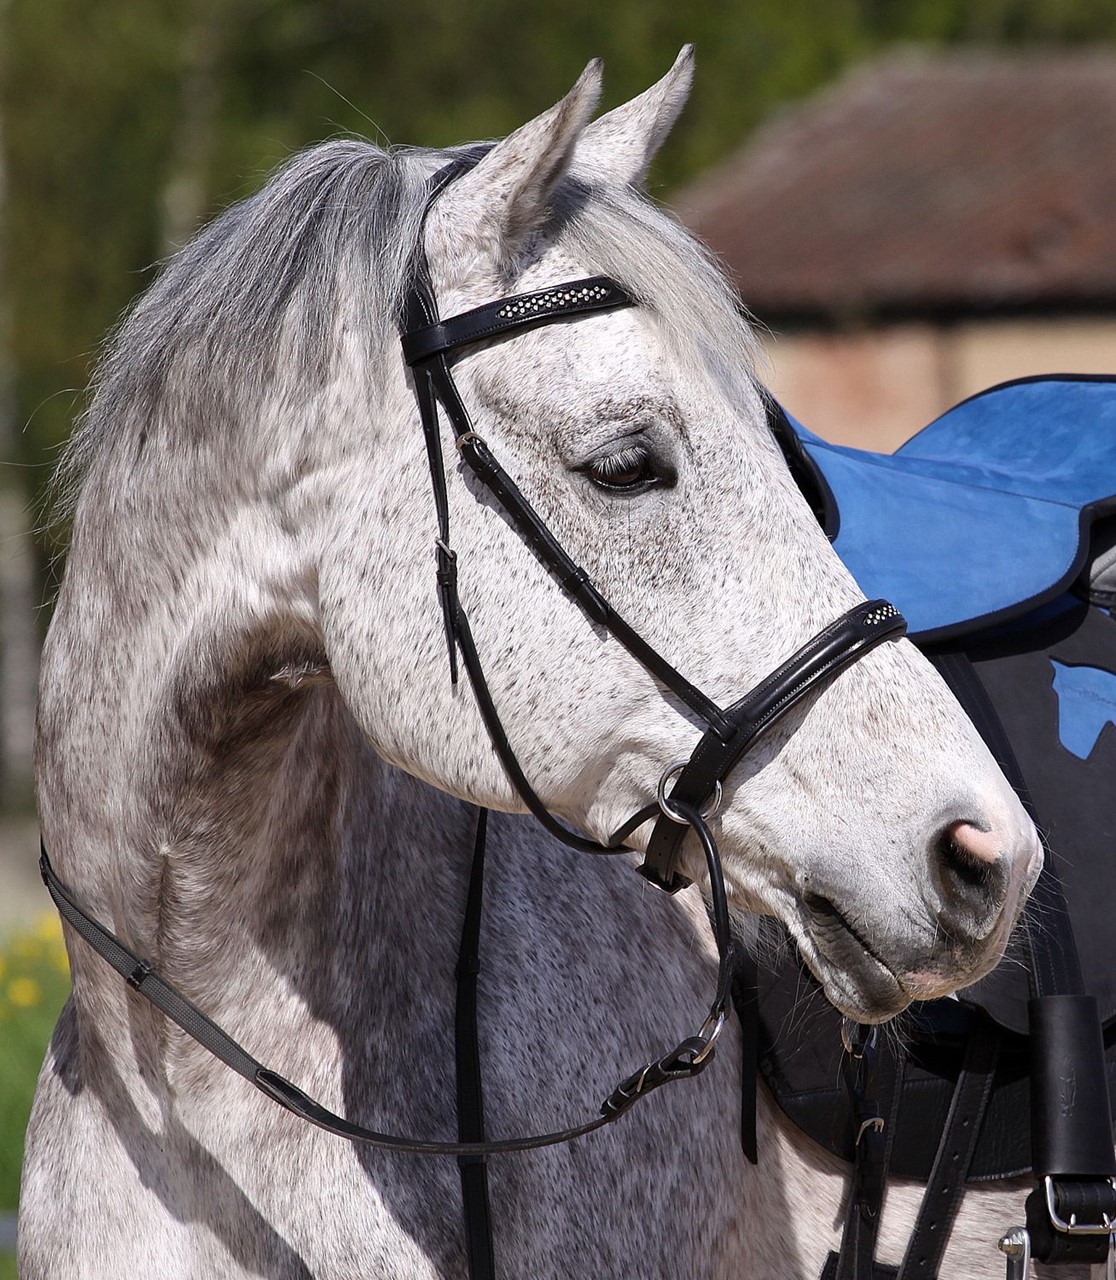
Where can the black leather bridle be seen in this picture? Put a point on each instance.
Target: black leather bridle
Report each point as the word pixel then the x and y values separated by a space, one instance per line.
pixel 429 344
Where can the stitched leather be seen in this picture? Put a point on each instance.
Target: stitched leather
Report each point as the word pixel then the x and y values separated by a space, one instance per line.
pixel 513 314
pixel 946 1187
pixel 842 643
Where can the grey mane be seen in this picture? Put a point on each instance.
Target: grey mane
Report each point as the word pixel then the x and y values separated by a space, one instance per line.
pixel 253 307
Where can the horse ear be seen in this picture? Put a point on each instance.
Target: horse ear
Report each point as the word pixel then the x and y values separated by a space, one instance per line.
pixel 506 196
pixel 620 146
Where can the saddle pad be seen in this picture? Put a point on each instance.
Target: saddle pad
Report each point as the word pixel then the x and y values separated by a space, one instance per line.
pixel 985 514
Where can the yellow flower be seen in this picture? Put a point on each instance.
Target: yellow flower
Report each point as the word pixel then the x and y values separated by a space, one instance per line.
pixel 24 993
pixel 49 927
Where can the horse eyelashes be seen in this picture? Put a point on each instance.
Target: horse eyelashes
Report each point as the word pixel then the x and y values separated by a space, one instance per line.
pixel 627 469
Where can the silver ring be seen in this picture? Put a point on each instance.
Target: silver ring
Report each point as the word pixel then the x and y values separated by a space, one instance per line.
pixel 671 771
pixel 710 1029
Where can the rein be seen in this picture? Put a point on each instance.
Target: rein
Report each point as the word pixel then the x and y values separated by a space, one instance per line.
pixel 429 344
pixel 688 1058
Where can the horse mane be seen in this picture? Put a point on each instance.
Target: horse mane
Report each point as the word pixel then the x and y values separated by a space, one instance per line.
pixel 254 307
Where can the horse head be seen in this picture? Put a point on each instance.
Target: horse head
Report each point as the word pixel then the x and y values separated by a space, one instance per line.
pixel 256 419
pixel 871 819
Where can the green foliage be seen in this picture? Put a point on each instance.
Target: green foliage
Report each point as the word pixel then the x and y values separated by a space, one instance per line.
pixel 8 1267
pixel 34 983
pixel 112 111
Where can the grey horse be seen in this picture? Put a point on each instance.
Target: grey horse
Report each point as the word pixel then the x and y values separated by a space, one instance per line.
pixel 254 766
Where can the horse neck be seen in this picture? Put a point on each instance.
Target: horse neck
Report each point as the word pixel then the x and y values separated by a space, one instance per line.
pixel 217 805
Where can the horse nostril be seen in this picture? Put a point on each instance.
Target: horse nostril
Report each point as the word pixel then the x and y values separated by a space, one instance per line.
pixel 970 860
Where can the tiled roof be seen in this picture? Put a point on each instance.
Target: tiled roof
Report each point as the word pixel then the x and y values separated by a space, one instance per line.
pixel 926 183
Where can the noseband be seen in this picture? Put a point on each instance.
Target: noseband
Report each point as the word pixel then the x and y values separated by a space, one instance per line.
pixel 429 344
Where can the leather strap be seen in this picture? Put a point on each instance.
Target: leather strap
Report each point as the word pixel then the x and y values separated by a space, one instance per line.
pixel 874 1080
pixel 946 1187
pixel 514 314
pixel 689 1058
pixel 745 999
pixel 479 1247
pixel 814 666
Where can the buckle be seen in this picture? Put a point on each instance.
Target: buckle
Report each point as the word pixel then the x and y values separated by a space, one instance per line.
pixel 1105 1227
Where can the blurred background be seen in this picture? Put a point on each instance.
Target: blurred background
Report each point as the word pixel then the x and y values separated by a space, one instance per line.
pixel 915 198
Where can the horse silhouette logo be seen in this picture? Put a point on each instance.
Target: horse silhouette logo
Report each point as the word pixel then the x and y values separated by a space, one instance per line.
pixel 1086 703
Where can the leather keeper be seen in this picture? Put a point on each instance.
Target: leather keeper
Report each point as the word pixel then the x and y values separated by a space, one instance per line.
pixel 1071 1127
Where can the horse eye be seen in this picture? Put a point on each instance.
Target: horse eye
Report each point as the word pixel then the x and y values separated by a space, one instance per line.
pixel 626 471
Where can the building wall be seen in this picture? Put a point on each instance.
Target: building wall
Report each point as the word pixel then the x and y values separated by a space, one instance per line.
pixel 875 388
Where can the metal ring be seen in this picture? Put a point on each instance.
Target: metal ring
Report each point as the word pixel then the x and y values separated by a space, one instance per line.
pixel 664 804
pixel 467 437
pixel 710 1029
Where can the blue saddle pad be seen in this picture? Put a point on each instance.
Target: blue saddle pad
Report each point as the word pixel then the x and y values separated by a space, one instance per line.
pixel 985 514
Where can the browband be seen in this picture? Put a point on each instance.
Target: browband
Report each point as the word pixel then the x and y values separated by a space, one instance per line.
pixel 428 346
pixel 520 311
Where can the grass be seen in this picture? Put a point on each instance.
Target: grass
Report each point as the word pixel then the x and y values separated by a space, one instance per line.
pixel 8 1267
pixel 34 983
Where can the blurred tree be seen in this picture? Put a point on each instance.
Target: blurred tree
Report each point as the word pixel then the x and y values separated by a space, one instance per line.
pixel 18 648
pixel 129 121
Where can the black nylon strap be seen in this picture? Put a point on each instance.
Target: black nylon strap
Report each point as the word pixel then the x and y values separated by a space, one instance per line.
pixel 513 315
pixel 946 1187
pixel 818 662
pixel 479 1247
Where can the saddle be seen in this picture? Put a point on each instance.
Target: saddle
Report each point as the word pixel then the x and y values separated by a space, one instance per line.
pixel 994 531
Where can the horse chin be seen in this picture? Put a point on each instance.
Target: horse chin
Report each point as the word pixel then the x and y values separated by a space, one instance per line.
pixel 854 979
pixel 864 986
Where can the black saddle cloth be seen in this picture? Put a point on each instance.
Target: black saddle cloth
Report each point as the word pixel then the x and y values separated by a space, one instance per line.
pixel 1052 680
